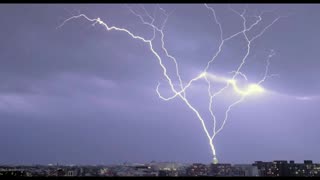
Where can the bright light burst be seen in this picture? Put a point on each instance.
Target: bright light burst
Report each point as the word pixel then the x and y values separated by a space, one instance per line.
pixel 209 78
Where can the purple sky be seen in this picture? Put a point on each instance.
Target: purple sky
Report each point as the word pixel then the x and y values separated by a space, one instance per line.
pixel 80 94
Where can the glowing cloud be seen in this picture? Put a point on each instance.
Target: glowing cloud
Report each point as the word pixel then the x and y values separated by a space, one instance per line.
pixel 252 89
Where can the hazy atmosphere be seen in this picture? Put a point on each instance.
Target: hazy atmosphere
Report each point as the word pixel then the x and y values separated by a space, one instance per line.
pixel 79 94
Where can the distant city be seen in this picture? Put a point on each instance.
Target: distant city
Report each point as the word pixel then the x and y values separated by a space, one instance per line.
pixel 258 168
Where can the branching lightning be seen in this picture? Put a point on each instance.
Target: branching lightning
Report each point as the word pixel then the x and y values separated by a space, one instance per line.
pixel 209 78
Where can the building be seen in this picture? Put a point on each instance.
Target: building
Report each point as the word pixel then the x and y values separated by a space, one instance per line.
pixel 280 168
pixel 12 172
pixel 237 171
pixel 264 168
pixel 143 170
pixel 245 170
pixel 197 169
pixel 283 168
pixel 167 173
pixel 303 169
pixel 220 170
pixel 72 173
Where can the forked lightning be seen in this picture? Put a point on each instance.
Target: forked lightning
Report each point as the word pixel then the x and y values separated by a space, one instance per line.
pixel 208 77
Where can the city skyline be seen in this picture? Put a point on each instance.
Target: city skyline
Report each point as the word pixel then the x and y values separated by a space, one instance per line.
pixel 259 168
pixel 74 93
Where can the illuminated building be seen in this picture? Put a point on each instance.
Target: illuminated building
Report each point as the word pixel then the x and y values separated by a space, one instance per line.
pixel 220 170
pixel 12 173
pixel 197 169
pixel 283 168
pixel 245 170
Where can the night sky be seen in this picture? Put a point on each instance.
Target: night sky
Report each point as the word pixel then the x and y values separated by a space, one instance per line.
pixel 82 95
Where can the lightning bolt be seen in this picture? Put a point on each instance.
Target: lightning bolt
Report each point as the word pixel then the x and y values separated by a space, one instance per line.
pixel 204 75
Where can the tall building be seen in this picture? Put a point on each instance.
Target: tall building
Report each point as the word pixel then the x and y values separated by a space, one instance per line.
pixel 264 168
pixel 280 168
pixel 197 169
pixel 283 168
pixel 220 170
pixel 245 170
pixel 302 169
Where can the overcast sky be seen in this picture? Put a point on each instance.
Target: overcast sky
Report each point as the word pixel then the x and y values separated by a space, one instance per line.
pixel 81 94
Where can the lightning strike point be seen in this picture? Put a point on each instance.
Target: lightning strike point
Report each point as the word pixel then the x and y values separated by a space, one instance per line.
pixel 215 160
